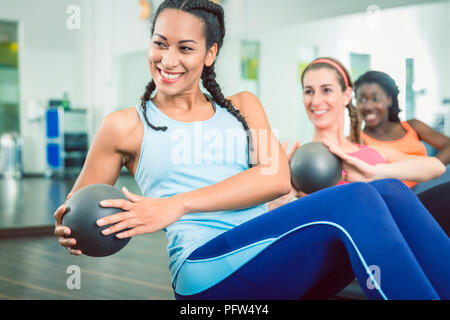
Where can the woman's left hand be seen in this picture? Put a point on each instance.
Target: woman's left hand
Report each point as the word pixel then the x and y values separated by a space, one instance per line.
pixel 354 168
pixel 140 214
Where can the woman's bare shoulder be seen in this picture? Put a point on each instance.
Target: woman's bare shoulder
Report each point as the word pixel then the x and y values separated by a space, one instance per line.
pixel 247 103
pixel 122 122
pixel 123 128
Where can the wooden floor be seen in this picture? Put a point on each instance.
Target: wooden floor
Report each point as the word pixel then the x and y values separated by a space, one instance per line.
pixel 36 268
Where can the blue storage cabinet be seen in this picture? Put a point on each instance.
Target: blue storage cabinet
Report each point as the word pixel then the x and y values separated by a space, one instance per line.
pixel 66 141
pixel 54 140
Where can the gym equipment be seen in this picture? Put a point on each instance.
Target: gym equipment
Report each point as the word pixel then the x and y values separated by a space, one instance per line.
pixel 314 167
pixel 83 210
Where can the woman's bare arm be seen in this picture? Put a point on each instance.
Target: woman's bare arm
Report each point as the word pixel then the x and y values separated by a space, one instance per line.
pixel 409 167
pixel 115 144
pixel 434 138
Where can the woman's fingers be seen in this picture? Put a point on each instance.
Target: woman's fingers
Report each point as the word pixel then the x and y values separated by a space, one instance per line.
pixel 342 155
pixel 133 232
pixel 122 225
pixel 69 195
pixel 59 213
pixel 337 151
pixel 112 219
pixel 123 204
pixel 131 196
pixel 74 252
pixel 67 242
pixel 62 231
pixel 61 210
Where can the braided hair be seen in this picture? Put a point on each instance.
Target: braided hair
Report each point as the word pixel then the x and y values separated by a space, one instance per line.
pixel 389 87
pixel 212 16
pixel 354 115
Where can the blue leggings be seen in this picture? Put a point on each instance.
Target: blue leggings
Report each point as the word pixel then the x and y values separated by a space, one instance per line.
pixel 313 247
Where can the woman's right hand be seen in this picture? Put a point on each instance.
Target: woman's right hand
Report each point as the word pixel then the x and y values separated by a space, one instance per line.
pixel 63 232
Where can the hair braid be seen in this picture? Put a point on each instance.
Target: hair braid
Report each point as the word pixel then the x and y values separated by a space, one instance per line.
pixel 216 35
pixel 210 84
pixel 146 97
pixel 213 20
pixel 355 123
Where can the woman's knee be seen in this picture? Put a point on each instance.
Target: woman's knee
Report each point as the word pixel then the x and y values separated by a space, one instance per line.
pixel 361 193
pixel 341 202
pixel 389 184
pixel 365 203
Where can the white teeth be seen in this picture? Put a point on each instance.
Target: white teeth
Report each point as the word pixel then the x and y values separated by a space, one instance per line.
pixel 319 111
pixel 170 76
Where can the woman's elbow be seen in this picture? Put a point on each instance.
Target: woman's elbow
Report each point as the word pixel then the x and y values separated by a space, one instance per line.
pixel 435 169
pixel 283 185
pixel 440 168
pixel 280 184
pixel 284 189
pixel 279 178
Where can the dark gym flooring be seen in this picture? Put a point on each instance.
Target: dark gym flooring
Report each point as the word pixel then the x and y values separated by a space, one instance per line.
pixel 33 266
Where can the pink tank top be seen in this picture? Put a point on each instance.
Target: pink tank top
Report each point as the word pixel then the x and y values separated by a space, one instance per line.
pixel 367 155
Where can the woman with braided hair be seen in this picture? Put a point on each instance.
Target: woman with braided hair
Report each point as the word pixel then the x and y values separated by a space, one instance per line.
pixel 210 197
pixel 192 154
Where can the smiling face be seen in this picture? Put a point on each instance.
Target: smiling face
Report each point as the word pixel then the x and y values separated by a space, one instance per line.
pixel 178 52
pixel 373 104
pixel 324 99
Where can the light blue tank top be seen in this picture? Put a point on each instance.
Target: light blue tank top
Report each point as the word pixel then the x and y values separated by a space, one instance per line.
pixel 189 156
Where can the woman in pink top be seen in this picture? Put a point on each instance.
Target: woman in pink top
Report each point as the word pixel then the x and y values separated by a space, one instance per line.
pixel 366 154
pixel 327 92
